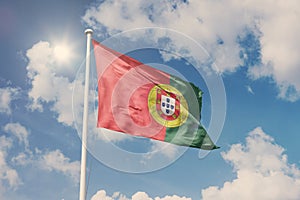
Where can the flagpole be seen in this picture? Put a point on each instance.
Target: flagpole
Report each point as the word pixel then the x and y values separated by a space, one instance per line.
pixel 82 192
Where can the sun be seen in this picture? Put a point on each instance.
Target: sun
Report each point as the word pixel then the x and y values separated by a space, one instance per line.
pixel 62 53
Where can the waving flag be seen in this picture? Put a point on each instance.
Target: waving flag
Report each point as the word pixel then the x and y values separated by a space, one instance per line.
pixel 140 100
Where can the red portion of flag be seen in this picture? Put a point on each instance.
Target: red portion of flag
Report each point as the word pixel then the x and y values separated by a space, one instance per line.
pixel 123 88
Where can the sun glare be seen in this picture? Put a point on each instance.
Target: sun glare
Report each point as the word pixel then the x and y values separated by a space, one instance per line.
pixel 62 53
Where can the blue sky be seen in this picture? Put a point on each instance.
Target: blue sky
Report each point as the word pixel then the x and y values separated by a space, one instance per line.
pixel 251 95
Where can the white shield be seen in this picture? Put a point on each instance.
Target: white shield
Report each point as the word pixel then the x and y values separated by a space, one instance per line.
pixel 167 105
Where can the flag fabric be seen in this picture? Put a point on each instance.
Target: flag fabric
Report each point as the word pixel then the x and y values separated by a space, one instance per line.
pixel 140 100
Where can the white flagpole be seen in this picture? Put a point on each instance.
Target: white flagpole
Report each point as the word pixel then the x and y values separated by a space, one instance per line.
pixel 82 193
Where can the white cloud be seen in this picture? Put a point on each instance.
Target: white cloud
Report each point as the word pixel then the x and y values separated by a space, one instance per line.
pixel 193 19
pixel 168 150
pixel 5 143
pixel 216 25
pixel 18 131
pixel 280 44
pixel 262 169
pixel 50 82
pixel 10 179
pixel 57 161
pixel 51 161
pixel 8 175
pixel 173 197
pixel 6 96
pixel 141 196
pixel 101 195
pixel 22 158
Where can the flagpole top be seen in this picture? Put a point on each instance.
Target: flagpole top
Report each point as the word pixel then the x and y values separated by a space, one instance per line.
pixel 88 31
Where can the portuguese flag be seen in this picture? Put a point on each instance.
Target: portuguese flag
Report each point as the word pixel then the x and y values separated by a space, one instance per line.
pixel 140 100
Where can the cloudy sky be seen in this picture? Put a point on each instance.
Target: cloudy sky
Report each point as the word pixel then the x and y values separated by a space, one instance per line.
pixel 244 55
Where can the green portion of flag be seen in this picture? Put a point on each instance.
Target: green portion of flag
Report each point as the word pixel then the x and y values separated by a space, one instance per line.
pixel 191 133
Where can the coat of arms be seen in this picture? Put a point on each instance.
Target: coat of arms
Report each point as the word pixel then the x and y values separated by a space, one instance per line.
pixel 167 104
